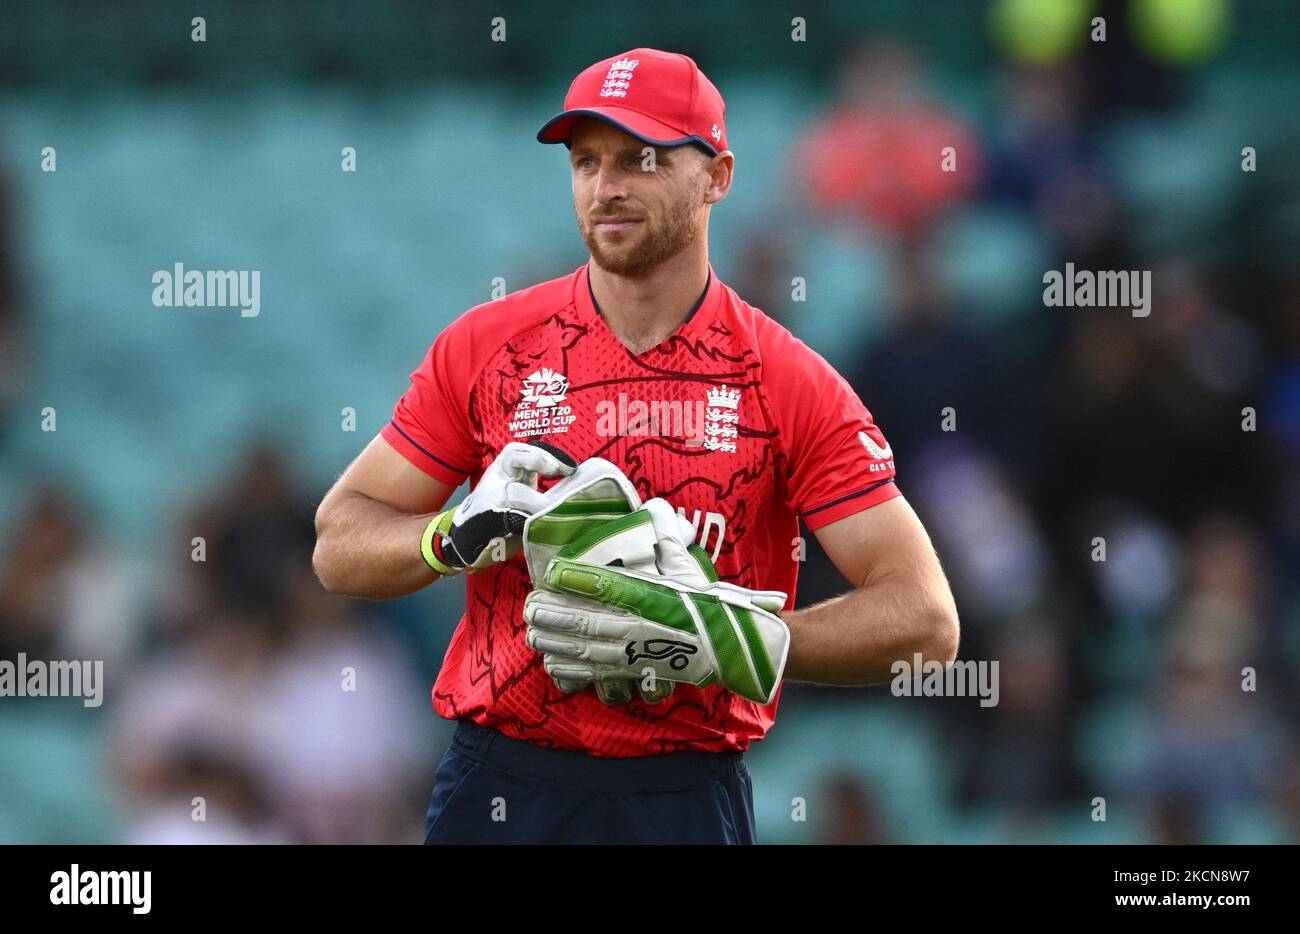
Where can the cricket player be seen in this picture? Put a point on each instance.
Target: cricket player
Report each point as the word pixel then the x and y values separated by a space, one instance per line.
pixel 645 359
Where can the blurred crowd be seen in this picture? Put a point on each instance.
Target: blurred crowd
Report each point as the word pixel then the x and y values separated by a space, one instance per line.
pixel 249 705
pixel 1162 679
pixel 1173 440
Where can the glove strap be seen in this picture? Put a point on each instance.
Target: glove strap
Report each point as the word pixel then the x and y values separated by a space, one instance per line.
pixel 704 561
pixel 435 545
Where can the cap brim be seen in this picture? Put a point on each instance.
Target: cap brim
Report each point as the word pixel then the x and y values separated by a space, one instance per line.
pixel 647 129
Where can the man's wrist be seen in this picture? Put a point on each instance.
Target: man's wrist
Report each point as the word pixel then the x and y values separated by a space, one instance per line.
pixel 436 548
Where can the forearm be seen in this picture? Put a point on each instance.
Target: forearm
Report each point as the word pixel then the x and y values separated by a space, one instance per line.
pixel 365 548
pixel 856 638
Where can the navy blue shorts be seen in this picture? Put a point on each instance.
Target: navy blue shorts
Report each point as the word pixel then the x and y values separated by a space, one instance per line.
pixel 494 789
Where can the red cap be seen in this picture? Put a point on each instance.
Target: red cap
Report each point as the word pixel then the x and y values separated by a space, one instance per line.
pixel 660 97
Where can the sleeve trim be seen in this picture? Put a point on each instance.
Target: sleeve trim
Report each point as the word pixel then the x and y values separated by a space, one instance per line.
pixel 456 471
pixel 847 505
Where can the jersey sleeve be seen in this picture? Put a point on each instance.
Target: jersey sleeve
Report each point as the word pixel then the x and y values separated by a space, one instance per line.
pixel 430 425
pixel 839 460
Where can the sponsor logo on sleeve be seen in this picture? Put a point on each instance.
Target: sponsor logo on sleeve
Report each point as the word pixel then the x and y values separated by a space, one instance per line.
pixel 885 455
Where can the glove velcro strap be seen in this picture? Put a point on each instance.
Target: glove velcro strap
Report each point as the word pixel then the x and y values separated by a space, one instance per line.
pixel 704 561
pixel 650 601
pixel 583 541
pixel 741 655
pixel 570 521
pixel 432 544
pixel 603 532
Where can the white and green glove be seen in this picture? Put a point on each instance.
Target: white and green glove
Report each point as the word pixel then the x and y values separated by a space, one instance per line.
pixel 596 493
pixel 633 599
pixel 487 526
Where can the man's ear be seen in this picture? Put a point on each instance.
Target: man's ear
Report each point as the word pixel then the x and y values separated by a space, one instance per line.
pixel 721 171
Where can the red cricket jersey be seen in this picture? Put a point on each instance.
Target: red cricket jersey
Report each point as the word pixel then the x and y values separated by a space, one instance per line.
pixel 732 420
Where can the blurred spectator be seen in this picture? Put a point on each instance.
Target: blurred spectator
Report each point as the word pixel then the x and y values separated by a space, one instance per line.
pixel 337 741
pixel 1042 159
pixel 1215 745
pixel 852 812
pixel 1166 418
pixel 931 364
pixel 763 276
pixel 293 718
pixel 62 594
pixel 199 700
pixel 1022 755
pixel 1139 575
pixel 877 154
pixel 206 799
pixel 994 554
pixel 258 531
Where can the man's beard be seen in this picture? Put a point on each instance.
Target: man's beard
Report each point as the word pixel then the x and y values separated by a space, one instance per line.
pixel 657 243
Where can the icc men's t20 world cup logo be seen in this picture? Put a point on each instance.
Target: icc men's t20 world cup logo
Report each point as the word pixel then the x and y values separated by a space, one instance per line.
pixel 540 410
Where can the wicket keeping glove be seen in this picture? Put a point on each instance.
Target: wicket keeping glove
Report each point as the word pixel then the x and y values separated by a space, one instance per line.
pixel 594 494
pixel 485 528
pixel 633 598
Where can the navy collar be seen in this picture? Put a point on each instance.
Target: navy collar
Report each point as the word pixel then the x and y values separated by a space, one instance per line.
pixel 700 301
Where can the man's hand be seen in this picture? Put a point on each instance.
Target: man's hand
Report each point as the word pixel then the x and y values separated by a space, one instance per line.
pixel 485 528
pixel 633 600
